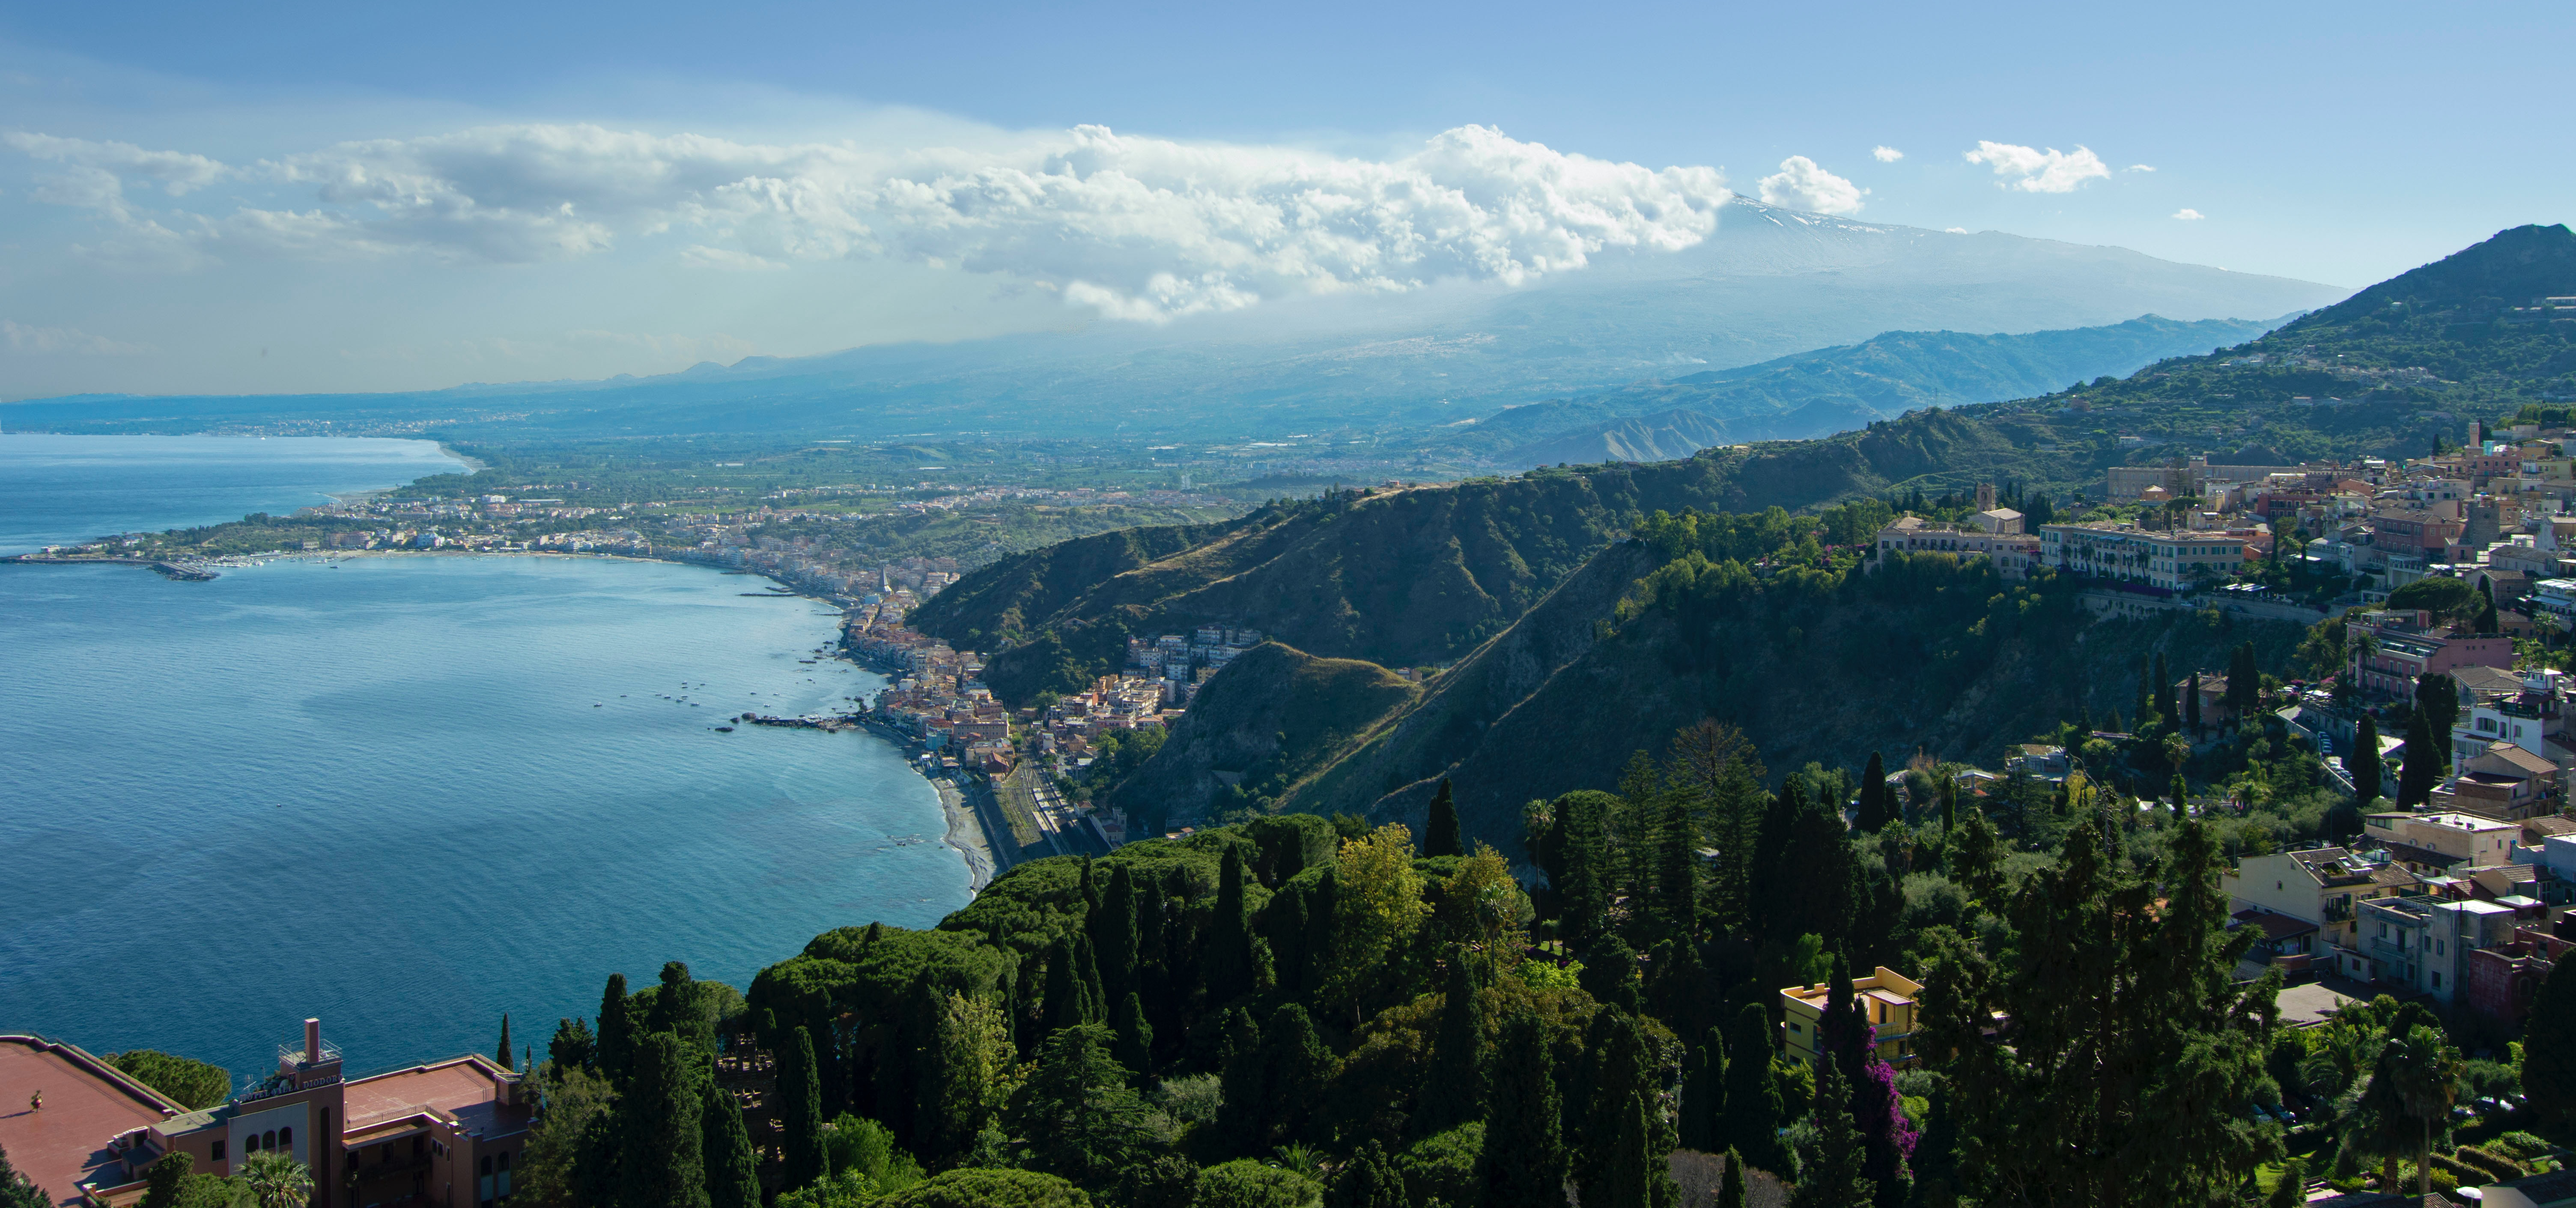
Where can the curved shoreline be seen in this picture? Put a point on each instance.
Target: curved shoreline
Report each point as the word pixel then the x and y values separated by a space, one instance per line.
pixel 965 832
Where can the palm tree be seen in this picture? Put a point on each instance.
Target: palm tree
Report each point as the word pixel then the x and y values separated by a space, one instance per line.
pixel 272 1180
pixel 2410 1095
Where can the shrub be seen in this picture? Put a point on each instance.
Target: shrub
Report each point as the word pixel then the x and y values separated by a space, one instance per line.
pixel 979 1188
pixel 1443 1166
pixel 1244 1183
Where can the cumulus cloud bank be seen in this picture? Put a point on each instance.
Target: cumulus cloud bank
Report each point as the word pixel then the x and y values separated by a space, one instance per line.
pixel 2032 170
pixel 1801 185
pixel 1137 228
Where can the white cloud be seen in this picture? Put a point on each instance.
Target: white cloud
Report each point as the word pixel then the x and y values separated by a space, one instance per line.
pixel 2035 171
pixel 2141 168
pixel 1954 230
pixel 64 341
pixel 2188 214
pixel 1801 185
pixel 1886 155
pixel 1137 228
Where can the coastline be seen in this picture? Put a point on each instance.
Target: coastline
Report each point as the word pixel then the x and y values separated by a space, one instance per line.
pixel 965 832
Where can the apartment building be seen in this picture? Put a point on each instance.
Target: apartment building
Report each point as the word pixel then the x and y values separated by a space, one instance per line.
pixel 2013 552
pixel 2422 944
pixel 2404 645
pixel 2319 886
pixel 2430 844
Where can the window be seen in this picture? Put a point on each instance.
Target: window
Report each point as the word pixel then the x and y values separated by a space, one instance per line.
pixel 218 1154
pixel 2437 981
pixel 484 1166
pixel 268 1140
pixel 250 1144
pixel 286 1139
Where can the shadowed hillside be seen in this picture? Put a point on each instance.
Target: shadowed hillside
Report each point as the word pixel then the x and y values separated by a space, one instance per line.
pixel 1259 725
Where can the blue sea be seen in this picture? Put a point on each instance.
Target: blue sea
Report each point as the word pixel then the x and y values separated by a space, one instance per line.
pixel 408 793
pixel 56 490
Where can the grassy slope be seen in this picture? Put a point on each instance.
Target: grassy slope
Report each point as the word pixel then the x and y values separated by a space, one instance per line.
pixel 1265 720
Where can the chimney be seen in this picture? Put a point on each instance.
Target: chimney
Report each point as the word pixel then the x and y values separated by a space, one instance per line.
pixel 313 1041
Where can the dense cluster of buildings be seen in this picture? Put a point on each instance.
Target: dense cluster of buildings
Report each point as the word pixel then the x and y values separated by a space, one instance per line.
pixel 443 1135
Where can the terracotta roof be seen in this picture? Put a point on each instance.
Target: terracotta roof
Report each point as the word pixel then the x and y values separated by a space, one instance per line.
pixel 87 1106
pixel 2275 926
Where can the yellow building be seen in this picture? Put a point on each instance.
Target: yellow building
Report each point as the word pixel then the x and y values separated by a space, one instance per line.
pixel 1886 997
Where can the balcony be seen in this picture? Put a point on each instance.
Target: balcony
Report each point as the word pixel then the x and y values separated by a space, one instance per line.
pixel 291 1056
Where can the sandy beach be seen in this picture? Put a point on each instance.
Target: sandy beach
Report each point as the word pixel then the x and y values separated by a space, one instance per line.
pixel 966 835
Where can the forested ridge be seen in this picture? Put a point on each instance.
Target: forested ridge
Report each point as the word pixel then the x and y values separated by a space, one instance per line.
pixel 1301 1010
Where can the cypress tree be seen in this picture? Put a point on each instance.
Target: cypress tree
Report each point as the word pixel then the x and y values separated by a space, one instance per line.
pixel 733 1170
pixel 1753 1110
pixel 1239 1114
pixel 1703 1106
pixel 2191 706
pixel 1228 960
pixel 1836 1181
pixel 1133 1042
pixel 1295 1067
pixel 1949 803
pixel 1454 1092
pixel 502 1054
pixel 1524 1164
pixel 661 1129
pixel 616 1032
pixel 2364 764
pixel 2486 607
pixel 1114 936
pixel 1440 836
pixel 800 1109
pixel 1622 1161
pixel 2437 697
pixel 1072 987
pixel 1730 1187
pixel 2164 693
pixel 1876 806
pixel 2422 768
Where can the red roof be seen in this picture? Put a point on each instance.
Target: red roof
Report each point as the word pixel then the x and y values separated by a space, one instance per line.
pixel 87 1106
pixel 454 1087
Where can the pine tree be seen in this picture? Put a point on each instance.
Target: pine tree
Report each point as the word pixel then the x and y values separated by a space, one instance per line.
pixel 2549 1047
pixel 1753 1109
pixel 616 1031
pixel 573 1046
pixel 1295 1068
pixel 1625 1147
pixel 2422 770
pixel 1368 1180
pixel 800 1109
pixel 1440 835
pixel 1525 1159
pixel 163 1180
pixel 502 1054
pixel 661 1129
pixel 1677 871
pixel 733 1170
pixel 2364 764
pixel 1081 1119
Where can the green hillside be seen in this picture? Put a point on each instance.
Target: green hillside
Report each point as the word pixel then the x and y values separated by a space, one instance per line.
pixel 1424 575
pixel 2383 373
pixel 1259 726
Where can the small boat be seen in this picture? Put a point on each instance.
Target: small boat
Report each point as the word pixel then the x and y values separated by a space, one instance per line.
pixel 724 729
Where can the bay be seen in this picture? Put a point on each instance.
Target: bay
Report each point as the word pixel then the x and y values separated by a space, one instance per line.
pixel 57 490
pixel 409 793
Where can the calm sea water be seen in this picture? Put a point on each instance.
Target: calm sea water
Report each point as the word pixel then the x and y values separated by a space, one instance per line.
pixel 55 490
pixel 407 794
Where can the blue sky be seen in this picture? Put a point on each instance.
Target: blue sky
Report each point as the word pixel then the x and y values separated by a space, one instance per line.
pixel 305 196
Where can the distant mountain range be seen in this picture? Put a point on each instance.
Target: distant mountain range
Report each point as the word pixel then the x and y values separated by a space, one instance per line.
pixel 1770 283
pixel 1832 390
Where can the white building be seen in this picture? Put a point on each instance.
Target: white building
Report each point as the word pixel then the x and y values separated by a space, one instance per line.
pixel 2176 561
